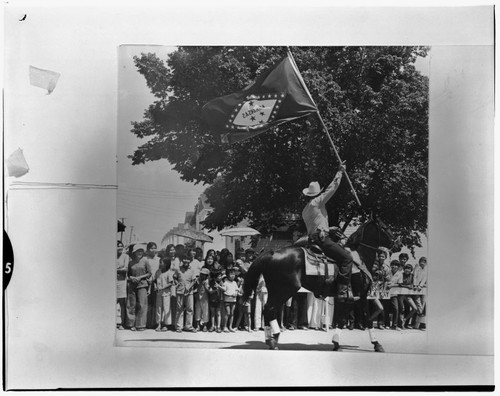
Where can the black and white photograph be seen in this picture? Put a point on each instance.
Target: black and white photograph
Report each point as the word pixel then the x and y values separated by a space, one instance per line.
pixel 300 197
pixel 216 232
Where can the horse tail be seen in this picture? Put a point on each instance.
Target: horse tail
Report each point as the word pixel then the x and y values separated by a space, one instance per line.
pixel 253 274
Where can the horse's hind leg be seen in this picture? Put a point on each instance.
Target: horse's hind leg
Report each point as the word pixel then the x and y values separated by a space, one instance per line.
pixel 271 326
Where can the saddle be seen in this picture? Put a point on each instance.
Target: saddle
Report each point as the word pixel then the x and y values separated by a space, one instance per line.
pixel 317 263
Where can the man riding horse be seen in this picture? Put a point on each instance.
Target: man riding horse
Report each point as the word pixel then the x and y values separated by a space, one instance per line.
pixel 315 217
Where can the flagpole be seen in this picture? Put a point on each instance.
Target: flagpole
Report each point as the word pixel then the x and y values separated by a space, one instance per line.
pixel 299 76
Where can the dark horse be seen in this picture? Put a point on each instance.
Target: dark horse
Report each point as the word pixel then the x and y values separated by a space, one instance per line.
pixel 284 274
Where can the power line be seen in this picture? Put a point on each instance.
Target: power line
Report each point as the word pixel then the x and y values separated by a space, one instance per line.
pixel 157 196
pixel 173 192
pixel 152 211
pixel 142 205
pixel 20 185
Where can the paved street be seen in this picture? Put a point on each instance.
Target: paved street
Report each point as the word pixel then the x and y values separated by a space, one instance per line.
pixel 405 341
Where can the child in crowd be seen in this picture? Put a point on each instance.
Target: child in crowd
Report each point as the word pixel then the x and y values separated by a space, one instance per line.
pixel 240 254
pixel 406 300
pixel 164 278
pixel 243 308
pixel 420 285
pixel 403 259
pixel 247 261
pixel 201 301
pixel 230 288
pixel 379 293
pixel 215 299
pixel 185 279
pixel 395 281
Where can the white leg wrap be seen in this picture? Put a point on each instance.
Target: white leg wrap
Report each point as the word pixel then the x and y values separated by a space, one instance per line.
pixel 336 335
pixel 267 332
pixel 274 326
pixel 372 335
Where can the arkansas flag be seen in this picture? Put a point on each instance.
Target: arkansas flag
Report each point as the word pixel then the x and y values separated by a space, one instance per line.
pixel 276 96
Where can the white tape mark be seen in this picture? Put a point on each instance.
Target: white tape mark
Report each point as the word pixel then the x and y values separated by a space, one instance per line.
pixel 274 326
pixel 46 79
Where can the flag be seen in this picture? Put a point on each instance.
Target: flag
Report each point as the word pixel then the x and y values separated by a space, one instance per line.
pixel 277 96
pixel 46 79
pixel 16 164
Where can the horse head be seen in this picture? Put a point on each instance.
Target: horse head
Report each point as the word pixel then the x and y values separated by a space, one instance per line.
pixel 373 234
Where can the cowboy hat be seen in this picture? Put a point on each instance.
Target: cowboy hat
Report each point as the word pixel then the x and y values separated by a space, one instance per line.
pixel 312 190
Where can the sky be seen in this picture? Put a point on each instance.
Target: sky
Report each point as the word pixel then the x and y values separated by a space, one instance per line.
pixel 151 197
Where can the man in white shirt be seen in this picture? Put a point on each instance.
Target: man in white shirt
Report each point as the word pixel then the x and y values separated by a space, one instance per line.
pixel 316 219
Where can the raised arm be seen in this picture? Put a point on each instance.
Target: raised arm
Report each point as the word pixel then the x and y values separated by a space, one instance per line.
pixel 325 196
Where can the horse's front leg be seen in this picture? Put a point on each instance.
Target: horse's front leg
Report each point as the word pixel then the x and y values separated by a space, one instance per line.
pixel 271 326
pixel 368 323
pixel 336 339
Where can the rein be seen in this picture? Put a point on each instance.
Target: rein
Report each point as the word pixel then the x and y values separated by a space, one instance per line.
pixel 362 230
pixel 368 246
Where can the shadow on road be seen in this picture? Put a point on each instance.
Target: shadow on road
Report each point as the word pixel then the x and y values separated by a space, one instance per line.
pixel 176 340
pixel 296 347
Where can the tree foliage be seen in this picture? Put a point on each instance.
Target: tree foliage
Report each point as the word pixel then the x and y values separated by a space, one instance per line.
pixel 372 99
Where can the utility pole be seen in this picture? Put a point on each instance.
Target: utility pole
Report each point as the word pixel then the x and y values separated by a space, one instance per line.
pixel 121 233
pixel 130 239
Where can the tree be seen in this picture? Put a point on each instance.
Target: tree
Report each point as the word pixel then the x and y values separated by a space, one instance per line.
pixel 372 99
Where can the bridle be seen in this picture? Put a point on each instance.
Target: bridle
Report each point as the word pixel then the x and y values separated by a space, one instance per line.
pixel 380 227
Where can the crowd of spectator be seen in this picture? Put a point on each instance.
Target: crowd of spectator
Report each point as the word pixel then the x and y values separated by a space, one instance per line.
pixel 180 289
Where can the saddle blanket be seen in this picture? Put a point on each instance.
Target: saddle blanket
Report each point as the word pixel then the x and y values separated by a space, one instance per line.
pixel 315 265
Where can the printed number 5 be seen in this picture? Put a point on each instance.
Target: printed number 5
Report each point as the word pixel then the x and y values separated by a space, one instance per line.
pixel 8 268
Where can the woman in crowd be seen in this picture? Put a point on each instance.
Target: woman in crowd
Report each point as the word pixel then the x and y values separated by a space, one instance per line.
pixel 195 266
pixel 210 252
pixel 226 259
pixel 122 260
pixel 139 276
pixel 213 266
pixel 171 254
pixel 154 263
